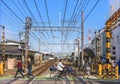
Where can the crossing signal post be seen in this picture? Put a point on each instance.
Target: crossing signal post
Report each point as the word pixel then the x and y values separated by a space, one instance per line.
pixel 2 64
pixel 3 44
pixel 108 44
pixel 110 25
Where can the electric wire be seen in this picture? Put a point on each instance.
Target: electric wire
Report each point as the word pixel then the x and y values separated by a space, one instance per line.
pixel 86 5
pixel 83 7
pixel 12 11
pixel 32 16
pixel 91 10
pixel 79 8
pixel 39 13
pixel 21 6
pixel 27 14
pixel 62 39
pixel 72 16
pixel 18 8
pixel 64 13
pixel 9 19
pixel 48 17
pixel 87 2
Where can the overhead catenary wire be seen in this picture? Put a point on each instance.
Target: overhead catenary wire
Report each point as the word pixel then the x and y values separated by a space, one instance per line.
pixel 22 7
pixel 25 12
pixel 79 9
pixel 77 13
pixel 19 8
pixel 64 13
pixel 62 39
pixel 29 10
pixel 48 17
pixel 12 11
pixel 86 5
pixel 91 10
pixel 32 16
pixel 41 17
pixel 39 13
pixel 73 15
pixel 74 11
pixel 47 13
pixel 9 19
pixel 84 8
pixel 34 36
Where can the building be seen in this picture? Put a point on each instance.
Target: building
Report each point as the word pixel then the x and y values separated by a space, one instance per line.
pixel 115 41
pixel 14 50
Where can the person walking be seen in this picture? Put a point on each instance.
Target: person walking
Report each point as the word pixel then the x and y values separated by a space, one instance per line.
pixel 29 68
pixel 60 67
pixel 52 70
pixel 19 68
pixel 87 70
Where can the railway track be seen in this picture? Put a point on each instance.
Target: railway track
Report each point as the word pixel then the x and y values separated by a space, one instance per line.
pixel 36 72
pixel 43 68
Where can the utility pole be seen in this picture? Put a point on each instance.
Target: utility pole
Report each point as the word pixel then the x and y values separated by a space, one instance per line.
pixel 82 38
pixel 78 41
pixel 75 50
pixel 96 45
pixel 39 45
pixel 27 26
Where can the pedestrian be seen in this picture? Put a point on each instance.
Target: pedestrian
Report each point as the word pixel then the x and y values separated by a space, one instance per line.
pixel 60 67
pixel 53 68
pixel 86 70
pixel 19 68
pixel 29 68
pixel 113 63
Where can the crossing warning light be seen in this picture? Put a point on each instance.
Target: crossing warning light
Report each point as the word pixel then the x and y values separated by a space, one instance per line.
pixel 109 34
pixel 113 50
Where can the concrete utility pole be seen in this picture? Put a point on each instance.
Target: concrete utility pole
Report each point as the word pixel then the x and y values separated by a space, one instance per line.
pixel 39 45
pixel 75 51
pixel 95 45
pixel 27 26
pixel 78 41
pixel 82 38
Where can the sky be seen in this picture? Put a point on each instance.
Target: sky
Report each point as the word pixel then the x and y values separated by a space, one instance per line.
pixel 13 15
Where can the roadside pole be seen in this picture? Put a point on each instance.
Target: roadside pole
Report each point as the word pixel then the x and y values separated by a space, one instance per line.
pixel 28 27
pixel 82 38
